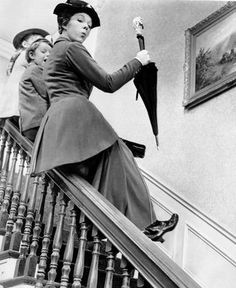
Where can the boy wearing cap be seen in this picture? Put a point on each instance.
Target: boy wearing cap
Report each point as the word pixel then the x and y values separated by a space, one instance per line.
pixel 33 98
pixel 17 64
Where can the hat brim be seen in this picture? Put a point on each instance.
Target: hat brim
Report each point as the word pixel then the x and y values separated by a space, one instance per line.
pixel 86 9
pixel 21 35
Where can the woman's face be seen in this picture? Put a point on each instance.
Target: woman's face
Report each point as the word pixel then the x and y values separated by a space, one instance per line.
pixel 79 27
pixel 40 55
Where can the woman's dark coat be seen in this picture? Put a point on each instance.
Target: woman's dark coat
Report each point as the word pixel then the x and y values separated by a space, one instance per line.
pixel 73 129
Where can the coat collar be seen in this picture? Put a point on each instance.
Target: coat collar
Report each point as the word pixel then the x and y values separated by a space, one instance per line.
pixel 61 38
pixel 64 38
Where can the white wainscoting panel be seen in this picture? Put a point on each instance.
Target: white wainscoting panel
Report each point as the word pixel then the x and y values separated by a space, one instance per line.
pixel 199 245
pixel 206 262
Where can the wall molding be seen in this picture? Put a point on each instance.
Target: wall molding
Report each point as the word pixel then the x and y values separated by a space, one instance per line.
pixel 219 228
pixel 162 206
pixel 191 229
pixel 203 238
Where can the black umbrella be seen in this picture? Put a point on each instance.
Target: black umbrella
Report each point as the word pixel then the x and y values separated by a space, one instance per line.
pixel 145 81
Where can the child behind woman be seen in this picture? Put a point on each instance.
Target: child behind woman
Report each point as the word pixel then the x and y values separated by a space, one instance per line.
pixel 33 99
pixel 9 98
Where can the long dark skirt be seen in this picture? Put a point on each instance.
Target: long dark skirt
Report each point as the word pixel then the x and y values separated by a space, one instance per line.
pixel 114 173
pixel 75 135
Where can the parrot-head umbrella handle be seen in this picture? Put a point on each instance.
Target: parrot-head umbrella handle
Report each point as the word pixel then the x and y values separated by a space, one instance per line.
pixel 138 27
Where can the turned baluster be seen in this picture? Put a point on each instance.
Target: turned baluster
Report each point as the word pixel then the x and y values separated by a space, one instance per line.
pixel 29 220
pixel 110 269
pixel 5 169
pixel 93 271
pixel 68 255
pixel 57 242
pixel 125 266
pixel 14 203
pixel 31 261
pixel 17 234
pixel 2 147
pixel 9 189
pixel 47 237
pixel 79 264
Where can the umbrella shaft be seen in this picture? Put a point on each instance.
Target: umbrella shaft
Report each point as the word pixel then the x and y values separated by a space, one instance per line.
pixel 141 42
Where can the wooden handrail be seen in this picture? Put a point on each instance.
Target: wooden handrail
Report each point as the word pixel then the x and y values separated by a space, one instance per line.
pixel 152 263
pixel 23 142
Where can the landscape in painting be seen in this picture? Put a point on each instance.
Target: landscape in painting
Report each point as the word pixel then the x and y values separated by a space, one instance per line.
pixel 216 53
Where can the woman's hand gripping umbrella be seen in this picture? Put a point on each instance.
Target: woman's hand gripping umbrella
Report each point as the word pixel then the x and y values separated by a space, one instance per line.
pixel 146 82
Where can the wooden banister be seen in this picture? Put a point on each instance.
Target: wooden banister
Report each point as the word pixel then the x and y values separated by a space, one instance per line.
pixel 147 258
pixel 156 268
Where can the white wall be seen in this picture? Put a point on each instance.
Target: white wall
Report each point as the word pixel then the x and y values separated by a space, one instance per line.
pixel 196 157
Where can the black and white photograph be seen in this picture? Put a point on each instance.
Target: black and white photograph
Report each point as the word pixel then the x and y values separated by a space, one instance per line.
pixel 117 144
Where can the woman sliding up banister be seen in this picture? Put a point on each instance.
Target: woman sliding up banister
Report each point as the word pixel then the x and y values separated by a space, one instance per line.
pixel 74 134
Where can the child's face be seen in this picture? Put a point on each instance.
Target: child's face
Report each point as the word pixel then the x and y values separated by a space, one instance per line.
pixel 40 55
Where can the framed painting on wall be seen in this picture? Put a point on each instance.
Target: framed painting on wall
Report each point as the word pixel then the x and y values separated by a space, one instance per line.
pixel 210 56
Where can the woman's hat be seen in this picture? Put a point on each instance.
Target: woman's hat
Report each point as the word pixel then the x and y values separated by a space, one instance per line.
pixel 78 6
pixel 21 35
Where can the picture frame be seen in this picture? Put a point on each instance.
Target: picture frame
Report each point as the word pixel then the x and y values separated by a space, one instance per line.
pixel 210 56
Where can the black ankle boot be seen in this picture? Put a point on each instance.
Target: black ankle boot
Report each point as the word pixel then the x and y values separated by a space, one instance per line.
pixel 157 229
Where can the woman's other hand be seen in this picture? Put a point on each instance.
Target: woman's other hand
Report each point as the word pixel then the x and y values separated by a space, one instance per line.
pixel 143 57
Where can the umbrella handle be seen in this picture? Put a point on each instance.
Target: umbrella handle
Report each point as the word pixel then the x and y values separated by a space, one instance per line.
pixel 138 27
pixel 141 42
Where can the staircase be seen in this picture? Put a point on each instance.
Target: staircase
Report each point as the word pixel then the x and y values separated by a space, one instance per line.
pixel 58 231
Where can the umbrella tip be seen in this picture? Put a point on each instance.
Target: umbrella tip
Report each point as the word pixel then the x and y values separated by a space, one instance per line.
pixel 157 142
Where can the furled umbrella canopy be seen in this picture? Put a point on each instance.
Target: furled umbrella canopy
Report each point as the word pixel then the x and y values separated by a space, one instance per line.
pixel 146 82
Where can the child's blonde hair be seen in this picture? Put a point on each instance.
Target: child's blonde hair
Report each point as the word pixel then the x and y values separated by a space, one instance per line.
pixel 34 46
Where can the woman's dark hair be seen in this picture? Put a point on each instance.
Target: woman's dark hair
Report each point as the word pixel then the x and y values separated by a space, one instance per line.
pixel 64 18
pixel 34 46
